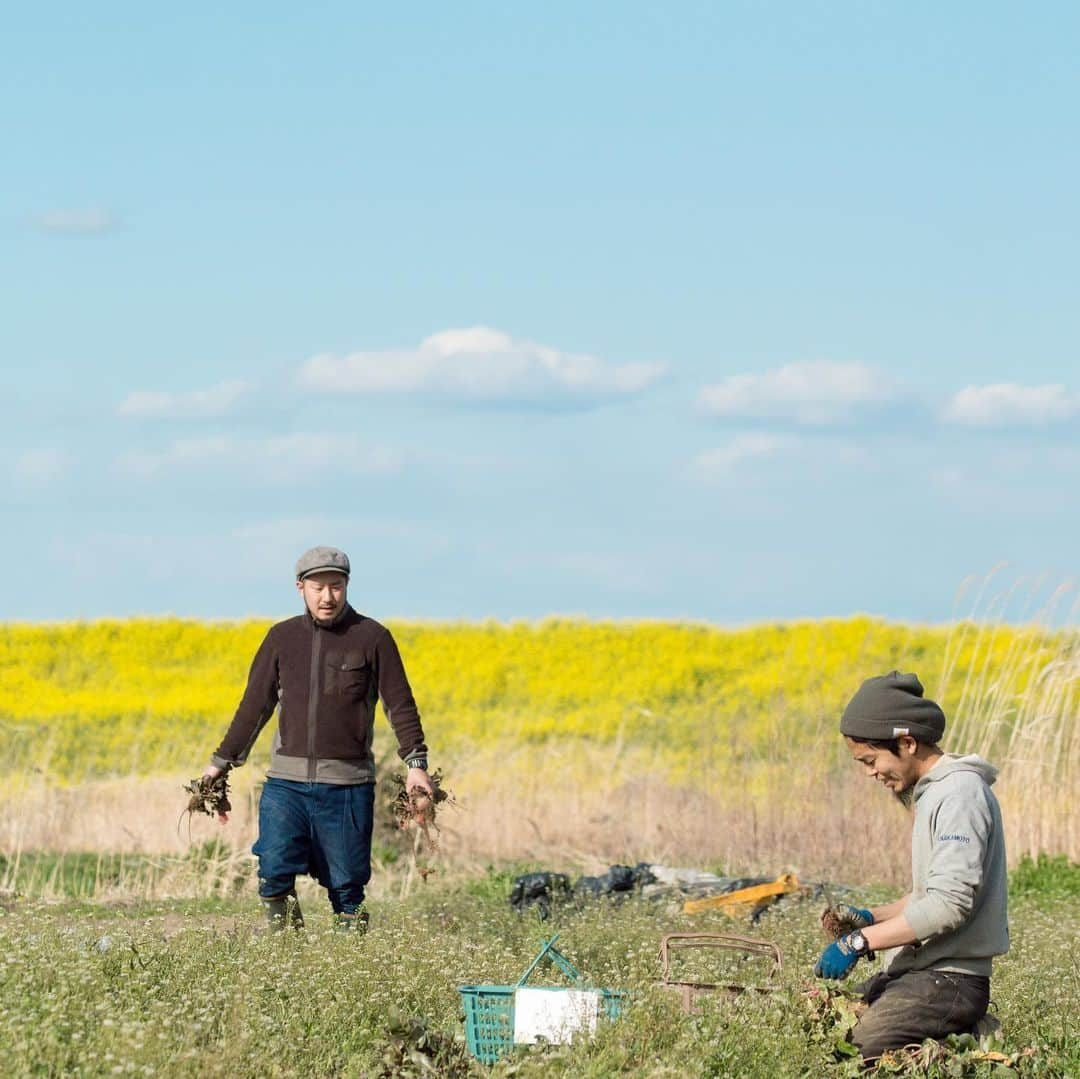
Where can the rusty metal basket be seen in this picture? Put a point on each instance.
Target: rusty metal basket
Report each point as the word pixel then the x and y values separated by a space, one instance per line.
pixel 748 947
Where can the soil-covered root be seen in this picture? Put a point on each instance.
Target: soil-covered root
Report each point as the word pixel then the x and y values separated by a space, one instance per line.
pixel 837 925
pixel 209 796
pixel 416 809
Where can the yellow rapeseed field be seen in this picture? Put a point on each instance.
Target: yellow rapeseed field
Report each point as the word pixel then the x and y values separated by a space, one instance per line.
pixel 116 697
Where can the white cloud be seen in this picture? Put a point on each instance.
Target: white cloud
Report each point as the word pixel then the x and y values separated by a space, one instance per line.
pixel 39 466
pixel 725 460
pixel 814 394
pixel 195 404
pixel 284 458
pixel 90 221
pixel 484 366
pixel 1008 404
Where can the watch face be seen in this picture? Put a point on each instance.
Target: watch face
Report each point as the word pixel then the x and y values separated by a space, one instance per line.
pixel 858 941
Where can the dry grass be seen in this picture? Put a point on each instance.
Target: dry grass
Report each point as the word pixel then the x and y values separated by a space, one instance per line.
pixel 559 806
pixel 135 814
pixel 572 807
pixel 565 806
pixel 1024 713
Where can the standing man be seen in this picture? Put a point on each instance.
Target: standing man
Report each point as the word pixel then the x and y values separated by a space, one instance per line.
pixel 947 931
pixel 327 668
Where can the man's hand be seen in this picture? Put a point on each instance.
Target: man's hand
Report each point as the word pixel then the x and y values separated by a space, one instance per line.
pixel 837 959
pixel 842 918
pixel 419 789
pixel 212 772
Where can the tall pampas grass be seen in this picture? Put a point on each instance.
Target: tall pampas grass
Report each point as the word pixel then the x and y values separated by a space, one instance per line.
pixel 1021 710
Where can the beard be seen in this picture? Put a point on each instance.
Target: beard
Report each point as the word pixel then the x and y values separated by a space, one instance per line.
pixel 906 797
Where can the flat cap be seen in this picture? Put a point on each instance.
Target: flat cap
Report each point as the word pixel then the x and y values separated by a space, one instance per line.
pixel 322 560
pixel 890 705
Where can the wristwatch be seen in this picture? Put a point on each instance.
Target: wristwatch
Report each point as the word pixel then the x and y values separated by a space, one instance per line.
pixel 417 762
pixel 858 942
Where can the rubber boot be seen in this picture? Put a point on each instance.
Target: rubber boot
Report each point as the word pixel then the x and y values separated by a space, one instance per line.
pixel 352 923
pixel 283 911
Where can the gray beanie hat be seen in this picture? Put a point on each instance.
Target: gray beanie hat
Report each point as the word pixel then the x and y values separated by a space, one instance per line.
pixel 322 560
pixel 890 705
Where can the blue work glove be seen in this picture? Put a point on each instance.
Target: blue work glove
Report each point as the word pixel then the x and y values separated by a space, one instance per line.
pixel 843 918
pixel 837 959
pixel 860 916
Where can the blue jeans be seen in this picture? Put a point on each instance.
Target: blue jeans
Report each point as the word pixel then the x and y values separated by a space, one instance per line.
pixel 322 829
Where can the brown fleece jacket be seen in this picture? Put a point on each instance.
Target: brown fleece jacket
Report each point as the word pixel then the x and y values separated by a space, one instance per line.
pixel 328 680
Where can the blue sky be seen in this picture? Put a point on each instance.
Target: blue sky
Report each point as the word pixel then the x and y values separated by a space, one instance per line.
pixel 725 311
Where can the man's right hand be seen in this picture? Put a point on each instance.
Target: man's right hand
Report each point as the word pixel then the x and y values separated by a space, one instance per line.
pixel 838 958
pixel 212 771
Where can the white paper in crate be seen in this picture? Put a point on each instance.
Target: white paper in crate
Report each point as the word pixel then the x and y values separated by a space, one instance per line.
pixel 553 1015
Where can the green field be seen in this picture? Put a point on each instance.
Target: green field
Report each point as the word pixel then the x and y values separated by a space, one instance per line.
pixel 191 988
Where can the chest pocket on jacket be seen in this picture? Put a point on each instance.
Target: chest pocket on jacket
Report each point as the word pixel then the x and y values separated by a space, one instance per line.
pixel 348 674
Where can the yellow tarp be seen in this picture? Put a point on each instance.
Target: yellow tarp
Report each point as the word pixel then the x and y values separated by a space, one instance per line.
pixel 745 901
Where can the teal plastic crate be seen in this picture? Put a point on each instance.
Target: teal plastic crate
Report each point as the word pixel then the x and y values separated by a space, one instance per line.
pixel 489 1009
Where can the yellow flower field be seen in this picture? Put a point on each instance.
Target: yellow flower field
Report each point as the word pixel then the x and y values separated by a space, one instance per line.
pixel 116 697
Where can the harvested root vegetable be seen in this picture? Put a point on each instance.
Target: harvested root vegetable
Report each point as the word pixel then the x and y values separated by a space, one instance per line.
pixel 836 924
pixel 416 809
pixel 209 796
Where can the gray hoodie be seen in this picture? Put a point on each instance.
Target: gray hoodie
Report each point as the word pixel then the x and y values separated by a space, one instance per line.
pixel 959 897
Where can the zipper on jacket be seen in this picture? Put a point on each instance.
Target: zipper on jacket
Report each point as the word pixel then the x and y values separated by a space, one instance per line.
pixel 313 701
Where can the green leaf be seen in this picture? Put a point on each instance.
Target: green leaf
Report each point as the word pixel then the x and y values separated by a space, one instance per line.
pixel 845 1048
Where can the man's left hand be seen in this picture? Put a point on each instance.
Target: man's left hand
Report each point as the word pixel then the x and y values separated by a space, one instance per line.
pixel 419 789
pixel 837 959
pixel 211 772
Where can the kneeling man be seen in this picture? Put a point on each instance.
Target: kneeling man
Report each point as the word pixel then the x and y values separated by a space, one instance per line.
pixel 947 931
